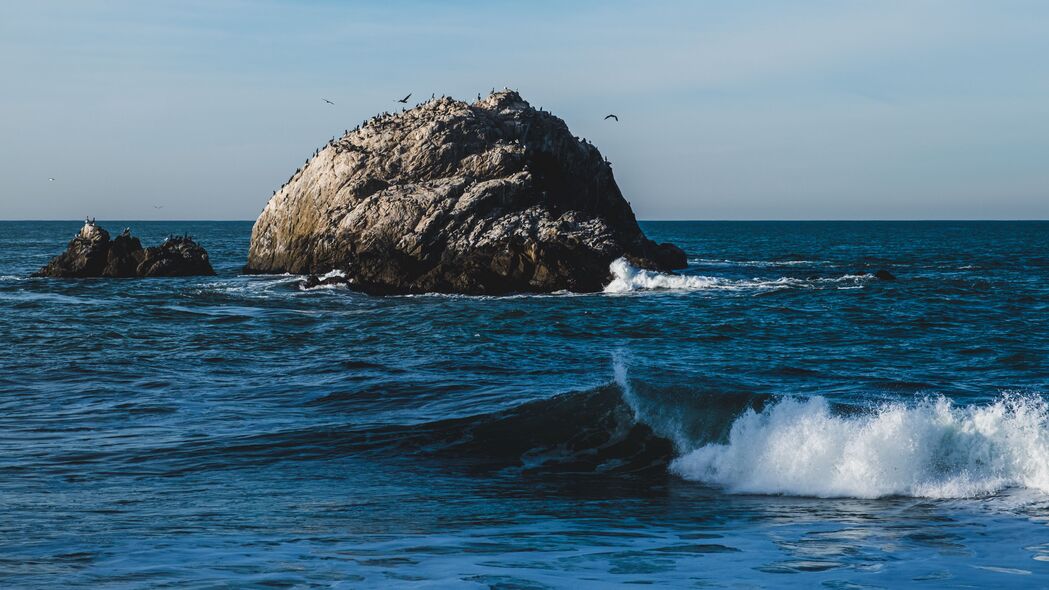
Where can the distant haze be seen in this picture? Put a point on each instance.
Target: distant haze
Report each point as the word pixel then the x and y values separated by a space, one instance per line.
pixel 727 110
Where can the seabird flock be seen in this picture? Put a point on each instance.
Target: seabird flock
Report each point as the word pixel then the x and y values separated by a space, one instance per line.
pixel 409 95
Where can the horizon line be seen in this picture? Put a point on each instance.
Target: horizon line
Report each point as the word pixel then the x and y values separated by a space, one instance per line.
pixel 664 220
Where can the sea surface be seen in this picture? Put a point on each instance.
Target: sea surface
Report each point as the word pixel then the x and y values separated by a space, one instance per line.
pixel 773 417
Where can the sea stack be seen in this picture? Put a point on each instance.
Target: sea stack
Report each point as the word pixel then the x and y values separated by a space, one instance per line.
pixel 92 254
pixel 493 197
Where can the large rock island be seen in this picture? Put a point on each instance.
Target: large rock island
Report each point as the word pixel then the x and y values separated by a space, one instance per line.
pixel 492 197
pixel 91 253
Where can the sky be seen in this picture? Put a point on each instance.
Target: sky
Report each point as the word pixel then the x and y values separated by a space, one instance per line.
pixel 911 109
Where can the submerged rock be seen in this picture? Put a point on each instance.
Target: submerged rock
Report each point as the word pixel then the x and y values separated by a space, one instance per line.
pixel 92 254
pixel 485 198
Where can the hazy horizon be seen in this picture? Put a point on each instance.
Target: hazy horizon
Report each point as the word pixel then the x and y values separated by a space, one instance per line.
pixel 771 111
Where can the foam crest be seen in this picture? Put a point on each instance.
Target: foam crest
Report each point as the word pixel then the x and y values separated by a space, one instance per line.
pixel 931 449
pixel 627 278
pixel 665 420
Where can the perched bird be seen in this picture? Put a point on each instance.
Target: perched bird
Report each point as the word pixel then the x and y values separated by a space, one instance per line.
pixel 405 99
pixel 611 116
pixel 327 101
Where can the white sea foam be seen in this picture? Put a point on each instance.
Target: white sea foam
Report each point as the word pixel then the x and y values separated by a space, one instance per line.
pixel 628 278
pixel 333 274
pixel 933 449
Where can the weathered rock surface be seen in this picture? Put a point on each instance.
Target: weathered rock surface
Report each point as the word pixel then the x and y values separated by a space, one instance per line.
pixel 92 254
pixel 485 198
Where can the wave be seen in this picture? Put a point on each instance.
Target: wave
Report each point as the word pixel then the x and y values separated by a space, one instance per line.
pixel 627 278
pixel 333 279
pixel 932 449
pixel 741 443
pixel 755 444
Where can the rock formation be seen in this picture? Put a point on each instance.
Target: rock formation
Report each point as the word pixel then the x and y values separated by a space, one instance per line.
pixel 92 254
pixel 486 198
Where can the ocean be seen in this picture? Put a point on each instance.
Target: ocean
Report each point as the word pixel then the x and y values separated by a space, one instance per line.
pixel 772 417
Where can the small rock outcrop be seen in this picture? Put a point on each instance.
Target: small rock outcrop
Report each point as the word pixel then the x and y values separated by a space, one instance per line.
pixel 92 254
pixel 492 197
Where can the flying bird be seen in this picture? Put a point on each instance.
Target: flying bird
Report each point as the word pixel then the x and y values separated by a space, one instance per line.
pixel 158 206
pixel 50 179
pixel 405 99
pixel 327 101
pixel 611 116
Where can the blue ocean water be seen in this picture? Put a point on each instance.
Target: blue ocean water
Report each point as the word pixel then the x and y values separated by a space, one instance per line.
pixel 773 417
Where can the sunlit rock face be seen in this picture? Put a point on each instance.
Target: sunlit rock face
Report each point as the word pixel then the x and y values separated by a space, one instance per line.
pixel 486 198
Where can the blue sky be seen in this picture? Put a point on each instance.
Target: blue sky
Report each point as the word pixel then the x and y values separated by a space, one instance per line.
pixel 728 110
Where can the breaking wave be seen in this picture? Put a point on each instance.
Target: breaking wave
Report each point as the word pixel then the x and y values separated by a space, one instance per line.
pixel 740 442
pixel 627 278
pixel 753 444
pixel 326 282
pixel 932 449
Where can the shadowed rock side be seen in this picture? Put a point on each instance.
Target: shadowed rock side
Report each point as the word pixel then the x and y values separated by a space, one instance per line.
pixel 92 254
pixel 485 198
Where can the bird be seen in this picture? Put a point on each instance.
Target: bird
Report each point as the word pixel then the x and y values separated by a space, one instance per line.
pixel 328 101
pixel 405 99
pixel 611 116
pixel 158 206
pixel 50 179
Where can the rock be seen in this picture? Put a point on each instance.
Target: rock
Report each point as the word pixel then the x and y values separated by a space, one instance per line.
pixel 486 198
pixel 313 281
pixel 176 257
pixel 92 254
pixel 884 275
pixel 87 255
pixel 125 254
